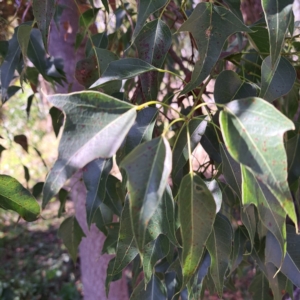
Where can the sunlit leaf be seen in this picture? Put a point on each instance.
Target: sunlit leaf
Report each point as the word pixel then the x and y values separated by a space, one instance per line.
pixel 43 11
pixel 270 212
pixel 210 26
pixel 94 176
pixel 71 234
pixel 278 17
pixel 229 86
pixel 123 69
pixel 148 167
pixel 91 118
pixel 277 80
pixel 262 151
pixel 155 290
pixel 14 196
pixel 197 211
pixel 219 248
pixel 145 9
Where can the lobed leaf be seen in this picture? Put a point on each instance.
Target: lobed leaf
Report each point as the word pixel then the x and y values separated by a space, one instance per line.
pixel 14 196
pixel 91 118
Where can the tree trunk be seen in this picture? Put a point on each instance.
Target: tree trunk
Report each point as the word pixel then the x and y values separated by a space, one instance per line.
pixel 93 265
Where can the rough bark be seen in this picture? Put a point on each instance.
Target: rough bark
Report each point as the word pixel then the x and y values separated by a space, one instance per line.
pixel 93 265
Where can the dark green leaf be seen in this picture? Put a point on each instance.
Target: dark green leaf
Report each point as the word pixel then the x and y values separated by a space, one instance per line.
pixel 91 117
pixel 270 212
pixel 219 248
pixel 229 86
pixel 113 198
pixel 293 154
pixel 43 11
pixel 37 189
pixel 14 196
pixel 145 9
pixel 1 150
pixel 148 167
pixel 197 210
pixel 262 151
pixel 29 102
pixel 259 288
pixel 277 80
pixel 57 118
pixel 71 234
pixel 155 290
pixel 210 26
pixel 94 176
pixel 110 243
pixel 235 7
pixel 23 38
pixel 98 40
pixel 278 17
pixel 249 219
pixel 9 65
pixel 153 252
pixel 260 40
pixel 103 216
pixel 153 43
pixel 26 174
pixel 123 69
pixel 62 197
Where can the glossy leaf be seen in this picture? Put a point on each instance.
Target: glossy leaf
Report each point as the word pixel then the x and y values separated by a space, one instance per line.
pixel 43 11
pixel 123 69
pixel 278 80
pixel 91 117
pixel 14 196
pixel 9 65
pixel 278 17
pixel 262 151
pixel 270 212
pixel 259 288
pixel 229 86
pixel 71 234
pixel 155 290
pixel 210 26
pixel 23 36
pixel 196 129
pixel 148 167
pixel 219 248
pixel 153 252
pixel 94 176
pixel 197 210
pixel 290 266
pixel 153 44
pixel 126 247
pixel 145 9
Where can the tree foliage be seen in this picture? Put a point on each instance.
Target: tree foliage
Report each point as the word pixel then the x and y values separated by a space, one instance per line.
pixel 147 106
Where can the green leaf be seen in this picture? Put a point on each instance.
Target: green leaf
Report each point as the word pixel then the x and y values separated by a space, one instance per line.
pixel 278 17
pixel 259 288
pixel 249 219
pixel 102 218
pixel 88 18
pixel 57 118
pixel 290 266
pixel 234 6
pixel 196 129
pixel 111 241
pixel 148 167
pixel 145 9
pixel 123 69
pixel 262 151
pixel 113 199
pixel 216 192
pixel 270 212
pixel 9 65
pixel 155 290
pixel 210 26
pixel 43 11
pixel 98 40
pixel 197 210
pixel 229 86
pixel 71 234
pixel 231 171
pixel 94 176
pixel 126 247
pixel 153 44
pixel 14 196
pixel 21 139
pixel 219 248
pixel 37 189
pixel 260 40
pixel 293 154
pixel 277 80
pixel 153 252
pixel 23 36
pixel 91 117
